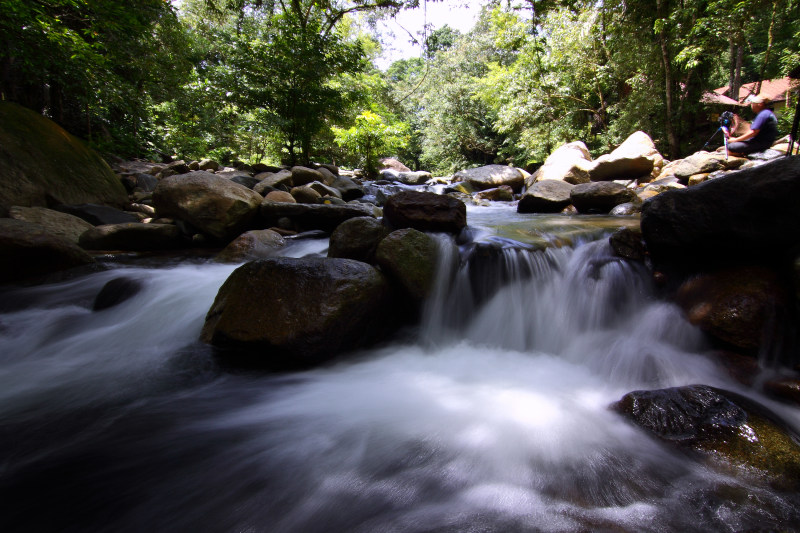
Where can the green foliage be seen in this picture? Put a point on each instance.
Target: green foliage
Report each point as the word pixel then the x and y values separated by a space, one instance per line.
pixel 371 137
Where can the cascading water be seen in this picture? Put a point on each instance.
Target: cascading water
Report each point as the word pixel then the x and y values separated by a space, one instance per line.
pixel 493 418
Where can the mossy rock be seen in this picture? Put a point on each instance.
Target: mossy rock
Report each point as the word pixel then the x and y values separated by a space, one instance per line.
pixel 43 165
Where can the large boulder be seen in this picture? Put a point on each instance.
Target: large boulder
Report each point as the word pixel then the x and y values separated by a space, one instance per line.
pixel 599 197
pixel 634 158
pixel 394 164
pixel 303 175
pixel 570 162
pixel 745 307
pixel 357 238
pixel 730 431
pixel 56 223
pixel 753 210
pixel 216 206
pixel 409 258
pixel 425 211
pixel 546 196
pixel 491 176
pixel 41 164
pixel 293 313
pixel 250 245
pixel 273 180
pixel 307 217
pixel 132 236
pixel 29 250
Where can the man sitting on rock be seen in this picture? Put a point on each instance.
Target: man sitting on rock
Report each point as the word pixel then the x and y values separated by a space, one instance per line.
pixel 761 133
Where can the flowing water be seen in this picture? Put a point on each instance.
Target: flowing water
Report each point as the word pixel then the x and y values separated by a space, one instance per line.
pixel 491 416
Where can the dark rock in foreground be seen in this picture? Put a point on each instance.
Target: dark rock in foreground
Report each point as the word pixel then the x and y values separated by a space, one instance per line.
pixel 753 211
pixel 357 239
pixel 731 431
pixel 546 196
pixel 288 313
pixel 133 236
pixel 599 197
pixel 425 211
pixel 745 307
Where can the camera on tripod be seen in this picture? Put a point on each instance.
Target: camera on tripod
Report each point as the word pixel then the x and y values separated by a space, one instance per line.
pixel 726 119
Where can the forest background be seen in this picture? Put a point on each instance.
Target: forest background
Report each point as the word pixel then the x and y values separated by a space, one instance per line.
pixel 293 81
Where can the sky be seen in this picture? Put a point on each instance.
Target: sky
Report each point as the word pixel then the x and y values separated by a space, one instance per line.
pixel 458 14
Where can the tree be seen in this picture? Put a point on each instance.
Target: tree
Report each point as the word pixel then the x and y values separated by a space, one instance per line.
pixel 372 137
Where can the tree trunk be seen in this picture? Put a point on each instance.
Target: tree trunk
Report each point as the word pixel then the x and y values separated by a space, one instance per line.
pixel 770 40
pixel 669 96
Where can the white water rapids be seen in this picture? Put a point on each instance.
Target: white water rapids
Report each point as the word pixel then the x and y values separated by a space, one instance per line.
pixel 491 416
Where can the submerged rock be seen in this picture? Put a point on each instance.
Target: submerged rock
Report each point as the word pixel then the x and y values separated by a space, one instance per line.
pixel 115 292
pixel 294 313
pixel 729 430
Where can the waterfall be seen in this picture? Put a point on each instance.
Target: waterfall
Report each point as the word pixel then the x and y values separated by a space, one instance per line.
pixel 494 418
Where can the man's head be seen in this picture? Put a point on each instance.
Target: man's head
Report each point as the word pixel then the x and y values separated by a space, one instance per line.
pixel 758 102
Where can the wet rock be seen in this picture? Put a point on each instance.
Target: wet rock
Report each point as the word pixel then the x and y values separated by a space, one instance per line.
pixel 741 306
pixel 409 257
pixel 753 210
pixel 55 222
pixel 628 209
pixel 491 176
pixel 115 292
pixel 132 236
pixel 409 178
pixel 294 313
pixel 250 245
pixel 425 212
pixel 546 196
pixel 730 431
pixel 786 389
pixel 742 368
pixel 357 239
pixel 29 250
pixel 628 243
pixel 214 205
pixel 599 197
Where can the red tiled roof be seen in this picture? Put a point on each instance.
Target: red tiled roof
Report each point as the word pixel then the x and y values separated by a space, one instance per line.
pixel 716 98
pixel 775 90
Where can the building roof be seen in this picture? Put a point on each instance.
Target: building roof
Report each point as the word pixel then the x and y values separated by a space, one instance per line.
pixel 775 90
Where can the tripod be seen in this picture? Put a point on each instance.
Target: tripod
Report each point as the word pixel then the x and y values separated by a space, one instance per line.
pixel 724 131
